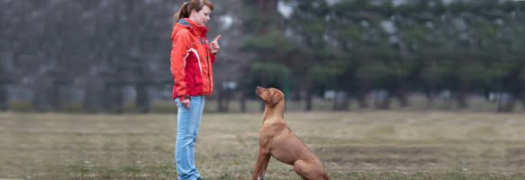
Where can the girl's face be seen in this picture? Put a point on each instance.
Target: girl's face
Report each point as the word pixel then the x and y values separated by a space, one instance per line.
pixel 201 17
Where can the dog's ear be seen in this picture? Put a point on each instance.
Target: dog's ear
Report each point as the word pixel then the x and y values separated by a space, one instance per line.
pixel 276 97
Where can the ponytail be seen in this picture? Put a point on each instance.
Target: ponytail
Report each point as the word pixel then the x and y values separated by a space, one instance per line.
pixel 187 7
pixel 182 13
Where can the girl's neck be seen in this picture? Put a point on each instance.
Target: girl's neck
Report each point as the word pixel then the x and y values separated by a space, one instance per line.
pixel 192 19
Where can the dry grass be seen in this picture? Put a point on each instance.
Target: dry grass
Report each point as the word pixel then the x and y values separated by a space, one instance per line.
pixel 353 145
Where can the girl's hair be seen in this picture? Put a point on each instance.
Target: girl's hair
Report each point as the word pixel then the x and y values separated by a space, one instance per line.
pixel 187 7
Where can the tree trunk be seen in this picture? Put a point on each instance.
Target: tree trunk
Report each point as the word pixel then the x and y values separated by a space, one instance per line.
pixel 264 83
pixel 382 100
pixel 60 95
pixel 402 94
pixel 505 106
pixel 462 98
pixel 223 100
pixel 296 96
pixel 54 97
pixel 4 97
pixel 119 99
pixel 523 103
pixel 382 104
pixel 106 99
pixel 220 98
pixel 227 100
pixel 242 102
pixel 430 99
pixel 449 103
pixel 522 99
pixel 340 102
pixel 309 98
pixel 361 96
pixel 267 8
pixel 114 101
pixel 507 102
pixel 41 94
pixel 244 96
pixel 142 100
pixel 90 99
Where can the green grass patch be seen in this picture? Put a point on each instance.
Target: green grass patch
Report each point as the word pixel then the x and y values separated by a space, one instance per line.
pixel 352 145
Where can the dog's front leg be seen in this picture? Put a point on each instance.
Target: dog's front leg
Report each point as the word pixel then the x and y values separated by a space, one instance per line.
pixel 261 165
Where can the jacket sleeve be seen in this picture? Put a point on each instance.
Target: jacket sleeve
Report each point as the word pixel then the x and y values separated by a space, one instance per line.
pixel 180 42
pixel 213 57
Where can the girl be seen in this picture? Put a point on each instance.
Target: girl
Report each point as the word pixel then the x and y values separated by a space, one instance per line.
pixel 192 58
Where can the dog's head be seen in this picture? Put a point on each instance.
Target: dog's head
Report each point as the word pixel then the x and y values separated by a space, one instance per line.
pixel 270 96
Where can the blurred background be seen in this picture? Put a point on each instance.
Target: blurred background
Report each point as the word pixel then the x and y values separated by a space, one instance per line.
pixel 378 89
pixel 92 56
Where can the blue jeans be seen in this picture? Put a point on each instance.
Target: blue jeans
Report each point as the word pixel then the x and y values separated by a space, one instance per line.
pixel 188 122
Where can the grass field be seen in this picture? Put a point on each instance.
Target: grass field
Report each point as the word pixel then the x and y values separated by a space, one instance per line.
pixel 352 145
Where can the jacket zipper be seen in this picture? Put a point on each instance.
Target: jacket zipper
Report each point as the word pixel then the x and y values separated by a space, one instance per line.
pixel 208 61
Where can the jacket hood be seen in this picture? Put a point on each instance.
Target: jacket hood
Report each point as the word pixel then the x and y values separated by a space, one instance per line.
pixel 192 26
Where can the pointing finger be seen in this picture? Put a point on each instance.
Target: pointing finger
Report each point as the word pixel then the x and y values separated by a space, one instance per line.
pixel 217 38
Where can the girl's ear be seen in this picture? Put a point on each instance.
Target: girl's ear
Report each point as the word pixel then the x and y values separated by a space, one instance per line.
pixel 193 11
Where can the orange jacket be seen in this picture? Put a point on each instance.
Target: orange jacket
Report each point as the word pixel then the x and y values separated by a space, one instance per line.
pixel 191 60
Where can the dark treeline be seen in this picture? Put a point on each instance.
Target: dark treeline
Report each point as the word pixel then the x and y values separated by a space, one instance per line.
pixel 361 46
pixel 106 54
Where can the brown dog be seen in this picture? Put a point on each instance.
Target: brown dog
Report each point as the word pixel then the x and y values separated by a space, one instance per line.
pixel 277 140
